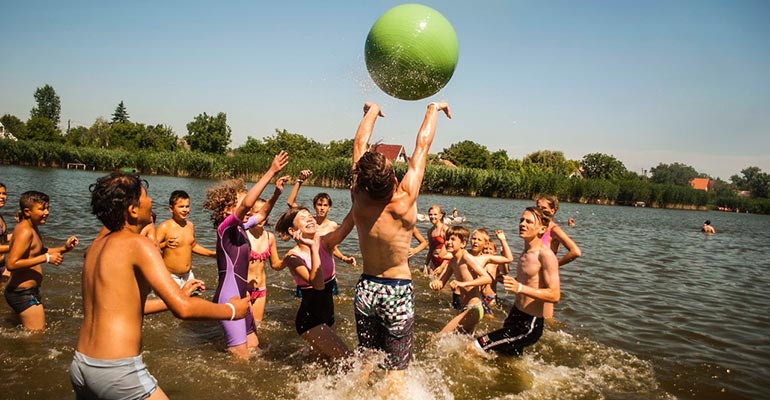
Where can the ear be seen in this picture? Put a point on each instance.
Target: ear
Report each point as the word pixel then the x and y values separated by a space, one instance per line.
pixel 132 213
pixel 26 211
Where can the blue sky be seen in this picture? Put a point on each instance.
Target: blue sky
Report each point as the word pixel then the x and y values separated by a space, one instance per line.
pixel 648 82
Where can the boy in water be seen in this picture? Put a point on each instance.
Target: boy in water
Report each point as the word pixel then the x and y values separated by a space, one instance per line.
pixel 469 275
pixel 119 270
pixel 26 258
pixel 176 238
pixel 322 203
pixel 536 284
pixel 385 213
pixel 483 250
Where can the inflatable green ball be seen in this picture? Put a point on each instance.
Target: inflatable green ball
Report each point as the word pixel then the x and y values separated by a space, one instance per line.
pixel 411 52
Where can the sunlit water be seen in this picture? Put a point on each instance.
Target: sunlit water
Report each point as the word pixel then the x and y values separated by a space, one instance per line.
pixel 653 310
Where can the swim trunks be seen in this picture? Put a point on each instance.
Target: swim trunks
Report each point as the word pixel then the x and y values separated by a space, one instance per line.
pixel 181 279
pixel 478 308
pixel 233 264
pixel 519 330
pixel 384 311
pixel 123 378
pixel 22 299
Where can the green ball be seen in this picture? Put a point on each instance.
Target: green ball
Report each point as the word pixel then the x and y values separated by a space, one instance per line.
pixel 411 52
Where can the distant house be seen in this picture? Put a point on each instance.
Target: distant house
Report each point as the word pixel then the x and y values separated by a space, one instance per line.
pixel 393 152
pixel 701 183
pixel 5 134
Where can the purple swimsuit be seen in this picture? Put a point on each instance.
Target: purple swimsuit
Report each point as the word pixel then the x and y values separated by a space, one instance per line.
pixel 233 264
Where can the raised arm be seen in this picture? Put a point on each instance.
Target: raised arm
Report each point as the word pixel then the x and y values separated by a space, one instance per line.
pixel 573 251
pixel 336 236
pixel 422 243
pixel 507 255
pixel 279 162
pixel 303 175
pixel 365 128
pixel 266 208
pixel 414 173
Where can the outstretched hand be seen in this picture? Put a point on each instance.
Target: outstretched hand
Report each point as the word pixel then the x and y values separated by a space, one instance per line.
pixel 442 106
pixel 372 105
pixel 280 182
pixel 304 174
pixel 280 161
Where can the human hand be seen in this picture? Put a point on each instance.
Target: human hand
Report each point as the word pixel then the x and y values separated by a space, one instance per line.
pixel 193 287
pixel 280 161
pixel 442 106
pixel 304 174
pixel 172 242
pixel 350 260
pixel 72 241
pixel 436 284
pixel 455 284
pixel 241 305
pixel 279 184
pixel 370 105
pixel 512 285
pixel 500 235
pixel 301 239
pixel 54 258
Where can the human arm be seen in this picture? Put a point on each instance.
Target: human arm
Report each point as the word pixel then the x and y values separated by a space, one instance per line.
pixel 438 282
pixel 276 263
pixel 266 208
pixel 412 180
pixel 279 162
pixel 303 175
pixel 482 277
pixel 202 251
pixel 549 273
pixel 507 255
pixel 336 252
pixel 365 129
pixel 573 251
pixel 149 263
pixel 422 243
pixel 335 237
pixel 312 273
pixel 152 306
pixel 20 244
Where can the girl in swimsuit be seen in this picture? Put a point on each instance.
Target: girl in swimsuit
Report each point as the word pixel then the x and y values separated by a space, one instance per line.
pixel 312 267
pixel 435 240
pixel 230 206
pixel 5 238
pixel 263 247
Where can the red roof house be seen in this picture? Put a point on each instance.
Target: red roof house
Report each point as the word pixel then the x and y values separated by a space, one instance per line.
pixel 393 152
pixel 701 183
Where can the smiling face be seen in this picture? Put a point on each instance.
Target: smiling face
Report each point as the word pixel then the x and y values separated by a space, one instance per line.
pixel 305 223
pixel 3 196
pixel 181 209
pixel 454 243
pixel 435 215
pixel 37 214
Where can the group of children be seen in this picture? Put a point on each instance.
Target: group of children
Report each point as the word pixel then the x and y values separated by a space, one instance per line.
pixel 127 260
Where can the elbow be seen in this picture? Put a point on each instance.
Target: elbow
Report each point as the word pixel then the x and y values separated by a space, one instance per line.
pixel 556 297
pixel 578 253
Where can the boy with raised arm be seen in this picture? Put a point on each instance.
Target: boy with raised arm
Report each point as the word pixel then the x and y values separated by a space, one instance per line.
pixel 176 238
pixel 119 270
pixel 26 257
pixel 470 276
pixel 385 212
pixel 536 284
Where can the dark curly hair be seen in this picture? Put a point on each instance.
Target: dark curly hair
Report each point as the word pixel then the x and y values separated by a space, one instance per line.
pixel 111 196
pixel 374 176
pixel 223 196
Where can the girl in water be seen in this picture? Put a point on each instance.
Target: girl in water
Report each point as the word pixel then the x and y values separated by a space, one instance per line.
pixel 230 206
pixel 435 241
pixel 312 266
pixel 263 248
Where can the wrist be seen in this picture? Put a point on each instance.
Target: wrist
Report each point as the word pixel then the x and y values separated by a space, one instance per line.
pixel 232 310
pixel 47 258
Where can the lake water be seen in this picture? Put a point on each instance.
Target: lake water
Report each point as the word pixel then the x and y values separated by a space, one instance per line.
pixel 653 310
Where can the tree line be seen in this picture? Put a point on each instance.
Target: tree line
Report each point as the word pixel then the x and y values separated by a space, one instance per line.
pixel 596 177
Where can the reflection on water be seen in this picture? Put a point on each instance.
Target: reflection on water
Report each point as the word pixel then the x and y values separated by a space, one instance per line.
pixel 653 309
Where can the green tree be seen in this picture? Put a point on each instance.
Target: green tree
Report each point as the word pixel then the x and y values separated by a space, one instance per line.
pixel 14 126
pixel 43 129
pixel 547 161
pixel 120 114
pixel 252 146
pixel 467 154
pixel 602 166
pixel 295 144
pixel 209 134
pixel 340 148
pixel 753 180
pixel 674 174
pixel 48 105
pixel 498 160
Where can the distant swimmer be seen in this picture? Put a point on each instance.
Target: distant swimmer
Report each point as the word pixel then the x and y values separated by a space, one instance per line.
pixel 571 221
pixel 707 228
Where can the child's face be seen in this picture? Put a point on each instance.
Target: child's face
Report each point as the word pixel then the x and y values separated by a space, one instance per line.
pixel 434 215
pixel 530 226
pixel 489 249
pixel 38 214
pixel 322 207
pixel 3 196
pixel 181 209
pixel 479 241
pixel 454 244
pixel 545 205
pixel 305 223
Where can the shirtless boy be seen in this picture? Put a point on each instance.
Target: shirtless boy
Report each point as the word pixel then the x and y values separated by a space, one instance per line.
pixel 176 238
pixel 536 283
pixel 385 212
pixel 470 276
pixel 480 250
pixel 119 270
pixel 26 258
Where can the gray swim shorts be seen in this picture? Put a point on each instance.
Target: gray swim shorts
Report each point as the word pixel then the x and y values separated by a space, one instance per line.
pixel 124 378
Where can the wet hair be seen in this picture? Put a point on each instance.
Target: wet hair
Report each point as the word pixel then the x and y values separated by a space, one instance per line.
pixel 2 185
pixel 320 196
pixel 460 231
pixel 543 216
pixel 373 175
pixel 553 202
pixel 482 231
pixel 111 196
pixel 286 221
pixel 708 222
pixel 221 197
pixel 177 195
pixel 30 198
